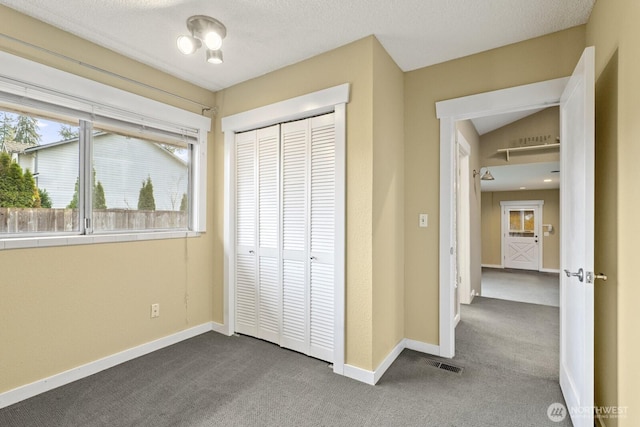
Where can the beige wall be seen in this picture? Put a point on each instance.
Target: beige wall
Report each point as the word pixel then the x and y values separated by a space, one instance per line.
pixel 349 64
pixel 545 123
pixel 613 29
pixel 543 58
pixel 84 303
pixel 492 217
pixel 470 134
pixel 66 306
pixel 388 204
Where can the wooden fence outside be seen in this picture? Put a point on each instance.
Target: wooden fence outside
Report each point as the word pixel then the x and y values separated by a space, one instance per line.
pixel 32 220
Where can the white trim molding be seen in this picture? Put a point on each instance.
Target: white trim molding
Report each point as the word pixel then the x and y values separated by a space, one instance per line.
pixel 333 99
pixel 422 347
pixel 492 266
pixel 520 98
pixel 372 377
pixel 550 270
pixel 29 390
pixel 31 84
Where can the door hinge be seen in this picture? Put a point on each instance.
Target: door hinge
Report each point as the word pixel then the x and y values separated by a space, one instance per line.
pixel 87 223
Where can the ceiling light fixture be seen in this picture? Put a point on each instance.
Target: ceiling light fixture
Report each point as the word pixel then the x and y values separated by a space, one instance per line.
pixel 204 30
pixel 486 176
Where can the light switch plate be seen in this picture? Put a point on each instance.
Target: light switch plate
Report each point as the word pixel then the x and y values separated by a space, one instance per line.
pixel 424 220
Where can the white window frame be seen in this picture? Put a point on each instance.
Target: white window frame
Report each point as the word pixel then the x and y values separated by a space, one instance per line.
pixel 38 83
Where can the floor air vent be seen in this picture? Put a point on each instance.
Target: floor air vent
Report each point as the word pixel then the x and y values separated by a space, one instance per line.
pixel 444 366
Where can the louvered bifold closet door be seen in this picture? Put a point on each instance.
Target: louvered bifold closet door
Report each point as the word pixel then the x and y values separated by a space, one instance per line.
pixel 245 201
pixel 269 277
pixel 295 258
pixel 322 206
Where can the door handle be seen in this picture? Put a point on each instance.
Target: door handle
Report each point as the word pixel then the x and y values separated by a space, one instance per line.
pixel 579 274
pixel 591 277
pixel 252 252
pixel 313 258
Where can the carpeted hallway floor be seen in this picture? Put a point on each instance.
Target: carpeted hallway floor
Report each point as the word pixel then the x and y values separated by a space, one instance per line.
pixel 521 285
pixel 509 352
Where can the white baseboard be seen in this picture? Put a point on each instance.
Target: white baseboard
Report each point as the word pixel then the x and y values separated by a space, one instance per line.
pixel 422 347
pixel 386 363
pixel 220 328
pixel 550 270
pixel 29 390
pixel 492 266
pixel 372 377
pixel 359 374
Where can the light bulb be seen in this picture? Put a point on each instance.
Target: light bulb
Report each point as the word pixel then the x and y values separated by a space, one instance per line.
pixel 187 44
pixel 213 40
pixel 214 56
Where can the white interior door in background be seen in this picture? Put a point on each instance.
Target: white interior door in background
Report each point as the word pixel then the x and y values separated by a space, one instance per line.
pixel 521 227
pixel 463 227
pixel 577 135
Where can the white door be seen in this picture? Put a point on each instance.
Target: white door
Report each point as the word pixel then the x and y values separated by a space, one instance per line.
pixel 308 235
pixel 245 267
pixel 268 285
pixel 322 219
pixel 576 240
pixel 463 226
pixel 521 224
pixel 258 294
pixel 285 235
pixel 295 258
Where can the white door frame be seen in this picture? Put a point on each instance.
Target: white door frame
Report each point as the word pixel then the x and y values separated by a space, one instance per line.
pixel 324 101
pixel 538 207
pixel 537 95
pixel 463 219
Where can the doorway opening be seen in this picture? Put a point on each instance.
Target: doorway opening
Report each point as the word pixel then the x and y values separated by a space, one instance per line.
pixel 576 98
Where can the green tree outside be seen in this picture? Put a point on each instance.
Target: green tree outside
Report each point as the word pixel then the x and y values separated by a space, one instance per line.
pixel 146 201
pixel 27 131
pixel 17 188
pixel 7 131
pixel 45 199
pixel 184 203
pixel 99 200
pixel 67 132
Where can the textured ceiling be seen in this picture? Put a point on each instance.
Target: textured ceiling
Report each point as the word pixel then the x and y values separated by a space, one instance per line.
pixel 530 175
pixel 264 35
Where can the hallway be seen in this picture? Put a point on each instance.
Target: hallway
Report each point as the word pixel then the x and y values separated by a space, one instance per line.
pixel 532 287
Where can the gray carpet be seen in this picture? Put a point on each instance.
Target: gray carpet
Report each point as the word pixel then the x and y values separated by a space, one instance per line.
pixel 509 352
pixel 521 285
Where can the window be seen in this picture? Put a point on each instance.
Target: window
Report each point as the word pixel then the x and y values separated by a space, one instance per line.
pixel 76 167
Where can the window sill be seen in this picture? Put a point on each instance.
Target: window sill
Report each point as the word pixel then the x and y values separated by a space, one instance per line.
pixel 43 242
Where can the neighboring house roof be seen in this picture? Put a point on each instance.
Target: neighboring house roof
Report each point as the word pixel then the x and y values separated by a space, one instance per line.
pixel 33 149
pixel 17 147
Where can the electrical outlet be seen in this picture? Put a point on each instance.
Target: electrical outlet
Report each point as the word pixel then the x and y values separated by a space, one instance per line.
pixel 155 310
